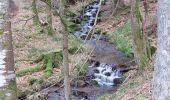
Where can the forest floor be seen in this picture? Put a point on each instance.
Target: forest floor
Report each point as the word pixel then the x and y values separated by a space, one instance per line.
pixel 29 42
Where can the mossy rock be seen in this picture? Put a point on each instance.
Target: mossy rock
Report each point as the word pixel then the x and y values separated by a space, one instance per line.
pixel 29 70
pixel 51 60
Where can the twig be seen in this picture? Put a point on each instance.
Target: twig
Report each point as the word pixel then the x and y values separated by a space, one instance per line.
pixel 114 11
pixel 25 19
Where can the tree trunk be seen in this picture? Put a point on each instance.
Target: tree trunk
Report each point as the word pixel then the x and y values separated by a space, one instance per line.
pixel 67 89
pixel 136 24
pixel 8 89
pixel 49 18
pixel 36 20
pixel 161 83
pixel 145 34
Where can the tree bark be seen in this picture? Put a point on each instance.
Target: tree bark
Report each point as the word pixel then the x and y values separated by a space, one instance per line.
pixel 8 88
pixel 161 82
pixel 49 18
pixel 67 89
pixel 138 44
pixel 36 20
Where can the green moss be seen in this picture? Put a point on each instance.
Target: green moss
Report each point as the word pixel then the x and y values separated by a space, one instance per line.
pixel 72 27
pixel 73 49
pixel 36 20
pixel 137 12
pixel 21 94
pixel 31 70
pixel 40 80
pixel 121 37
pixel 32 81
pixel 50 60
pixel 34 52
pixel 69 14
pixel 1 31
pixel 2 95
pixel 11 88
pixel 48 29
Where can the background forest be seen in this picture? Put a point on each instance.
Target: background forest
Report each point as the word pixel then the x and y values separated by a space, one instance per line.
pixel 84 50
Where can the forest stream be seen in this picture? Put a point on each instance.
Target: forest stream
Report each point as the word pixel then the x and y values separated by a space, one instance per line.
pixel 107 64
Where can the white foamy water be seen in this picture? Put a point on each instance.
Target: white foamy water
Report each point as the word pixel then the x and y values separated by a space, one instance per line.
pixel 2 67
pixel 105 74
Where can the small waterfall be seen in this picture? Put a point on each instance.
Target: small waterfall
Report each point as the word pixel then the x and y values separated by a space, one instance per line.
pixel 104 74
pixel 88 20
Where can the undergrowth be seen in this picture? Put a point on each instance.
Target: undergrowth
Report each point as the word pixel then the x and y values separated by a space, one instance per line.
pixel 121 38
pixel 48 61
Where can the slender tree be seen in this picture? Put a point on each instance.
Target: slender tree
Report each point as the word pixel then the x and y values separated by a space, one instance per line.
pixel 138 43
pixel 36 20
pixel 67 89
pixel 8 89
pixel 49 18
pixel 65 68
pixel 161 83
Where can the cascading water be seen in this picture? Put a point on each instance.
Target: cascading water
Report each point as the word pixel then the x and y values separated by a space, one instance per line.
pixel 88 21
pixel 104 74
pixel 104 70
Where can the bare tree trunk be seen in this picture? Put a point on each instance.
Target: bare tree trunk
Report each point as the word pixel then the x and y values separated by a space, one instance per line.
pixel 36 20
pixel 145 34
pixel 65 68
pixel 136 24
pixel 8 88
pixel 49 18
pixel 161 82
pixel 67 89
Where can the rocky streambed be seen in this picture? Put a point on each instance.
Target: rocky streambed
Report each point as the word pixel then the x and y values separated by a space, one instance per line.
pixel 106 65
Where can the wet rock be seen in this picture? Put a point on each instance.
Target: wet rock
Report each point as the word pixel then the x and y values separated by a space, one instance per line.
pixel 97 63
pixel 83 36
pixel 103 70
pixel 76 20
pixel 55 96
pixel 114 68
pixel 123 68
pixel 107 73
pixel 91 23
pixel 80 94
pixel 94 82
pixel 96 71
pixel 117 81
